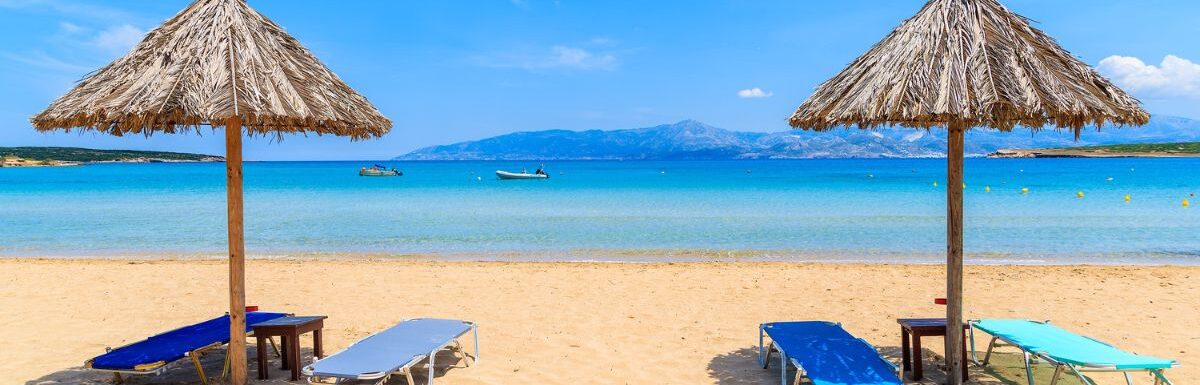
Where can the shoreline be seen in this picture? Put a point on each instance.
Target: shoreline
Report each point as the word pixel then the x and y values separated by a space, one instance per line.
pixel 581 263
pixel 568 323
pixel 645 256
pixel 601 260
pixel 1052 153
pixel 432 259
pixel 65 163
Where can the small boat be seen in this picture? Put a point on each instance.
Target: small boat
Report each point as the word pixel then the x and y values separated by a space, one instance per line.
pixel 522 175
pixel 379 172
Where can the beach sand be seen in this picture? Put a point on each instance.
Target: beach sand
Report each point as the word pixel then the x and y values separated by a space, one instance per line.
pixel 579 323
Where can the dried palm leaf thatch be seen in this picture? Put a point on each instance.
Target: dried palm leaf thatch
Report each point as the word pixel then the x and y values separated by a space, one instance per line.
pixel 214 60
pixel 967 63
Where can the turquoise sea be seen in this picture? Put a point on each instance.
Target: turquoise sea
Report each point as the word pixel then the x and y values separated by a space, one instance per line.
pixel 841 210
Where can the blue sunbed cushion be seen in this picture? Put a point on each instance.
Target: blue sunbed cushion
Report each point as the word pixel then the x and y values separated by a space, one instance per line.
pixel 830 355
pixel 387 351
pixel 175 344
pixel 1064 346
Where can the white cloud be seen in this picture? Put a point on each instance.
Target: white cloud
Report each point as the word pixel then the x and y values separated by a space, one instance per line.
pixel 85 25
pixel 77 49
pixel 754 93
pixel 70 28
pixel 557 57
pixel 114 40
pixel 580 58
pixel 43 61
pixel 118 39
pixel 1174 77
pixel 520 3
pixel 68 8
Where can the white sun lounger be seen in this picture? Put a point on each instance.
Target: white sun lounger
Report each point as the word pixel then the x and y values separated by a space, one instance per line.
pixel 395 350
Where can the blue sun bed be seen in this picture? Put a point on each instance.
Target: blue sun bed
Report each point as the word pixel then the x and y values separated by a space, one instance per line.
pixel 151 355
pixel 1065 350
pixel 395 350
pixel 825 353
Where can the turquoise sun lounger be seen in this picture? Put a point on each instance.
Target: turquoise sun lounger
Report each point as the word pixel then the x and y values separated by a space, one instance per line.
pixel 825 353
pixel 1065 350
pixel 395 351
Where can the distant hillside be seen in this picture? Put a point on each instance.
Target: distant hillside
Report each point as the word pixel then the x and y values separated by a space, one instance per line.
pixel 1166 148
pixel 1187 149
pixel 690 139
pixel 85 155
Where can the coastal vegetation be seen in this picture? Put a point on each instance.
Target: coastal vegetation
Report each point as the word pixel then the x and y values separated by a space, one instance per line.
pixel 49 156
pixel 1181 149
pixel 1165 148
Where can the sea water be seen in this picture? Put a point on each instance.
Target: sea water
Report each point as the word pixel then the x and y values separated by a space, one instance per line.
pixel 872 210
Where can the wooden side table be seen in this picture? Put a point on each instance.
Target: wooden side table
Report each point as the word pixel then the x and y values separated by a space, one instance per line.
pixel 914 329
pixel 289 330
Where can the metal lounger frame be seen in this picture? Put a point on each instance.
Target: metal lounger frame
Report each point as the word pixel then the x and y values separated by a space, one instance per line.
pixel 1033 357
pixel 406 368
pixel 193 355
pixel 764 358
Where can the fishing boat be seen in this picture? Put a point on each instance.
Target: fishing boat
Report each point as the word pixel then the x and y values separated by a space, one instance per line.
pixel 379 171
pixel 519 175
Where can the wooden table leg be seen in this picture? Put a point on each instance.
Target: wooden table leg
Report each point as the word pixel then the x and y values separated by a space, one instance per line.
pixel 965 373
pixel 317 344
pixel 918 371
pixel 904 354
pixel 283 343
pixel 262 356
pixel 294 353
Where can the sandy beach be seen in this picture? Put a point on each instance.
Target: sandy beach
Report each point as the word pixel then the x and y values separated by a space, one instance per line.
pixel 578 323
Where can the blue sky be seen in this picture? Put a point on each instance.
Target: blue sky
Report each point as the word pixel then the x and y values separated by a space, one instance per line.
pixel 449 71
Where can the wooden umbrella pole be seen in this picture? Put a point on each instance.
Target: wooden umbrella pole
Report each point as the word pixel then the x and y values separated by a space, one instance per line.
pixel 237 252
pixel 954 255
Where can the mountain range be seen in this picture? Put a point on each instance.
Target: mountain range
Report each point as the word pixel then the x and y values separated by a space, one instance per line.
pixel 693 140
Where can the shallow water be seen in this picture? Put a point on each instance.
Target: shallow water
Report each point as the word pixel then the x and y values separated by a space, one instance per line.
pixel 842 210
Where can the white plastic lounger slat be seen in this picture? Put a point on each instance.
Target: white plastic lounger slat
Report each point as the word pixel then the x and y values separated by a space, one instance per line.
pixel 391 350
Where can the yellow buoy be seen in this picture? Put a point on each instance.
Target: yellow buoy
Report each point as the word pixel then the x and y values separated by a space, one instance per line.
pixel 1024 190
pixel 934 184
pixel 1127 197
pixel 987 188
pixel 1079 194
pixel 1185 202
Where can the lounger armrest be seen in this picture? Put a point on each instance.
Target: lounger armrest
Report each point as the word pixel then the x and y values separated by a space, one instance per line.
pixel 204 348
pixel 372 375
pixel 761 331
pixel 150 366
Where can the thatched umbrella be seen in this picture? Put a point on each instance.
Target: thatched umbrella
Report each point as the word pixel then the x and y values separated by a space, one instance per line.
pixel 960 64
pixel 221 64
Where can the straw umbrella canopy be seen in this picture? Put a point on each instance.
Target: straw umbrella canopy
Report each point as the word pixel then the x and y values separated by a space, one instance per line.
pixel 959 64
pixel 218 63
